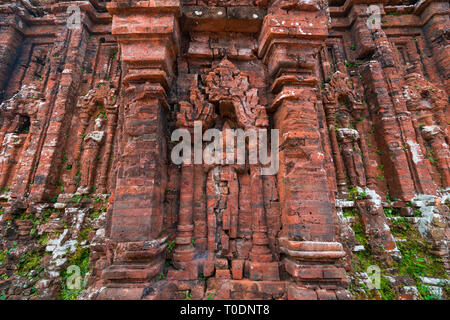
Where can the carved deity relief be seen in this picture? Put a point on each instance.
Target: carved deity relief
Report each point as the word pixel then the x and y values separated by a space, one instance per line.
pixel 198 109
pixel 227 92
pixel 352 159
pixel 98 112
pixel 344 107
pixel 92 144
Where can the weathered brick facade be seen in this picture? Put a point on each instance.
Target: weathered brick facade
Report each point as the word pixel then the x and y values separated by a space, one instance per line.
pixel 92 90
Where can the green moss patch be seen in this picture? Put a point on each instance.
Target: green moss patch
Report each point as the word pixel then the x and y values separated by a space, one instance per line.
pixel 30 261
pixel 360 234
pixel 80 258
pixel 349 212
pixel 417 261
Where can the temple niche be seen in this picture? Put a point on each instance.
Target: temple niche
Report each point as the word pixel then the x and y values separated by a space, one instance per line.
pixel 19 136
pixel 343 110
pixel 355 166
pixel 90 162
pixel 223 206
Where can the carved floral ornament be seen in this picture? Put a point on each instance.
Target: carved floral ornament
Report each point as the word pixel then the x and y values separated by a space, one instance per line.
pixel 103 95
pixel 198 109
pixel 341 87
pixel 227 88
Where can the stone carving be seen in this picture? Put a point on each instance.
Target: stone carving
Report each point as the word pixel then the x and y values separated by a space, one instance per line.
pixel 92 144
pixel 226 87
pixel 238 106
pixel 98 108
